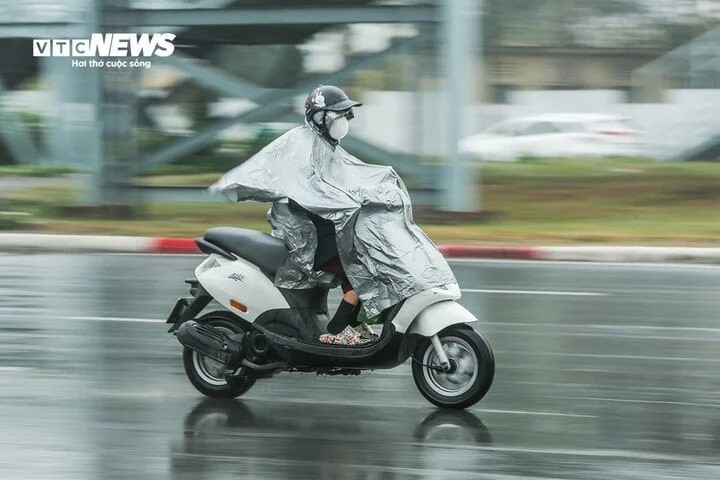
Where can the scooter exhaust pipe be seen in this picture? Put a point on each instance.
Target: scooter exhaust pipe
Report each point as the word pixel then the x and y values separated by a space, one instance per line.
pixel 259 344
pixel 256 346
pixel 209 341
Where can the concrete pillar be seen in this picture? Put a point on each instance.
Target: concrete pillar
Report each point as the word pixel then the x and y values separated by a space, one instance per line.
pixel 460 25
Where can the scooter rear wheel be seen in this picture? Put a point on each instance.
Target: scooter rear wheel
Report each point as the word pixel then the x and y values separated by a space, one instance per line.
pixel 206 374
pixel 472 368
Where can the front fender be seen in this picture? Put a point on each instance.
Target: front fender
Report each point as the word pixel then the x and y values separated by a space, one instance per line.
pixel 439 316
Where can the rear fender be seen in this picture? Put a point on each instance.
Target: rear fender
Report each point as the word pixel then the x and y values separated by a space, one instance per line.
pixel 439 316
pixel 188 308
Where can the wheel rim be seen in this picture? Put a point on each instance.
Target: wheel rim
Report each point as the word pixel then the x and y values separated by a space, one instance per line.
pixel 463 375
pixel 209 370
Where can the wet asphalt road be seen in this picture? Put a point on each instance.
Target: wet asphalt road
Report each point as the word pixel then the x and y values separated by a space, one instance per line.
pixel 603 371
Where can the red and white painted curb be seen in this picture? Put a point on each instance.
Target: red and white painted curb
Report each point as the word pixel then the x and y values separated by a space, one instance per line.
pixel 587 253
pixel 487 251
pixel 33 242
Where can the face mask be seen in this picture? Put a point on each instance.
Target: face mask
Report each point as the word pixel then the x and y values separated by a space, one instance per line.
pixel 339 128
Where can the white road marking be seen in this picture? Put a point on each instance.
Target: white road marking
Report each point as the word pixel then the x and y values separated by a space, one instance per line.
pixel 530 412
pixel 115 319
pixel 445 473
pixel 540 263
pixel 628 400
pixel 640 328
pixel 607 355
pixel 631 337
pixel 534 292
pixel 364 403
pixel 583 452
pixel 606 327
pixel 14 369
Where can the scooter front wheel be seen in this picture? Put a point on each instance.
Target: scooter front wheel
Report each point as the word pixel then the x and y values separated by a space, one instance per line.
pixel 208 375
pixel 471 373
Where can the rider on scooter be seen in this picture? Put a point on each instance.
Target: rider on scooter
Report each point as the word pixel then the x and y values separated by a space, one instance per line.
pixel 328 111
pixel 339 217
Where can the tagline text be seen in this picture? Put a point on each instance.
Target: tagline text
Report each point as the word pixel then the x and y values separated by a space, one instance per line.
pixel 92 63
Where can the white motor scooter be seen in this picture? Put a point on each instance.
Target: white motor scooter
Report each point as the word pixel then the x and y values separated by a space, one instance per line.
pixel 265 329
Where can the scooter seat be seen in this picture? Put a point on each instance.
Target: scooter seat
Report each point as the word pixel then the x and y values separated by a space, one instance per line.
pixel 261 249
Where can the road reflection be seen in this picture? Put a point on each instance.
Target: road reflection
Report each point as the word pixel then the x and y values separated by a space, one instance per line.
pixel 289 440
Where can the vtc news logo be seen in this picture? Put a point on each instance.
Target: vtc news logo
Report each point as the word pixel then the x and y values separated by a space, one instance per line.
pixel 107 45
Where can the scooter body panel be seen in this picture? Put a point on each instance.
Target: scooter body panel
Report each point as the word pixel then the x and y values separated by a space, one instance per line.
pixel 241 281
pixel 439 316
pixel 415 304
pixel 423 314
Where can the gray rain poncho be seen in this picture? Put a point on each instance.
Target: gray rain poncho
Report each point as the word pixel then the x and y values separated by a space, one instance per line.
pixel 386 256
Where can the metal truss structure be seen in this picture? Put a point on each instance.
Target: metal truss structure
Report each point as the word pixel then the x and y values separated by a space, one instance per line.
pixel 93 129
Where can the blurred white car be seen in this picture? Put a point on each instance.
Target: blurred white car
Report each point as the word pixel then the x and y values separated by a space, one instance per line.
pixel 555 135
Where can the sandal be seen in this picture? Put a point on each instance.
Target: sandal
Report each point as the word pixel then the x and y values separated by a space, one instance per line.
pixel 365 332
pixel 347 337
